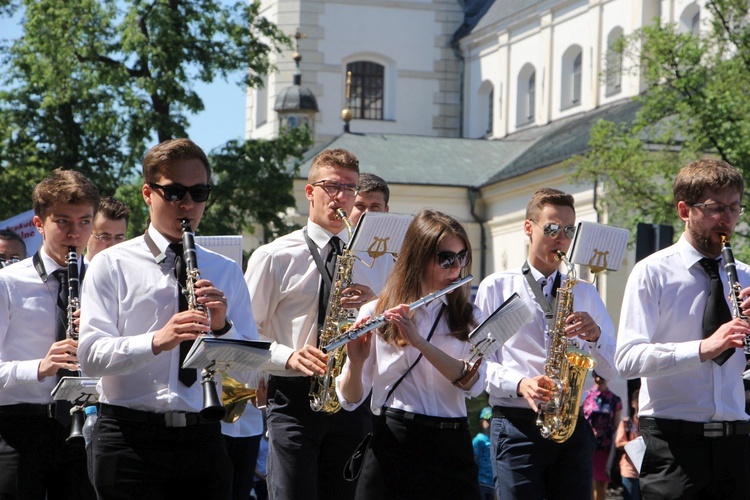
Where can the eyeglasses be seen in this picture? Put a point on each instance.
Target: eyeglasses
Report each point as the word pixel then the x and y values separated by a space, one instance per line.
pixel 107 238
pixel 176 192
pixel 551 230
pixel 447 259
pixel 7 262
pixel 716 209
pixel 333 188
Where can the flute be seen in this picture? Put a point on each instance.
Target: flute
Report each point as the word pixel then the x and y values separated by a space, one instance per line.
pixel 371 324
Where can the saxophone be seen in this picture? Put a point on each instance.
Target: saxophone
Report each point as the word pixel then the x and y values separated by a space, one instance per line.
pixel 337 321
pixel 566 365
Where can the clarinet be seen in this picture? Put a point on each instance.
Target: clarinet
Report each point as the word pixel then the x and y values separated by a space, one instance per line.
pixel 734 284
pixel 213 410
pixel 77 416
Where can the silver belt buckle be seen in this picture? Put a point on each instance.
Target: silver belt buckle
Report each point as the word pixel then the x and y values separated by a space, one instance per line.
pixel 714 429
pixel 175 419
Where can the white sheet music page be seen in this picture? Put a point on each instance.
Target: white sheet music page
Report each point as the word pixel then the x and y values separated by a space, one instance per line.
pixel 227 354
pixel 598 246
pixel 500 325
pixel 379 233
pixel 75 388
pixel 228 246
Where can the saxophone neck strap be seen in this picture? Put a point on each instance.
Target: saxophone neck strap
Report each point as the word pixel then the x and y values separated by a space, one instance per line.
pixel 538 294
pixel 432 330
pixel 159 256
pixel 42 272
pixel 317 258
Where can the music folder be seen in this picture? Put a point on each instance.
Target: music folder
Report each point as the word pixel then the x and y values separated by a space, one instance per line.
pixel 227 354
pixel 501 325
pixel 79 390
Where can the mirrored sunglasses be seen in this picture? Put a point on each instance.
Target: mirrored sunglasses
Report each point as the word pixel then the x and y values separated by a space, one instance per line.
pixel 551 230
pixel 176 192
pixel 447 259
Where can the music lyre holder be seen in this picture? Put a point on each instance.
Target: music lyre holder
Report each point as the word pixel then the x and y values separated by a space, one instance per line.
pixel 379 233
pixel 499 327
pixel 598 246
pixel 81 391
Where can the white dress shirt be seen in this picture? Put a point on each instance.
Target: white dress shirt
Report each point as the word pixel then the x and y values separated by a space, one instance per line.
pixel 660 335
pixel 28 316
pixel 525 353
pixel 128 296
pixel 284 285
pixel 425 390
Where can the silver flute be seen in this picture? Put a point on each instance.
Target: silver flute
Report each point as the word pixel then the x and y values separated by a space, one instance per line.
pixel 371 324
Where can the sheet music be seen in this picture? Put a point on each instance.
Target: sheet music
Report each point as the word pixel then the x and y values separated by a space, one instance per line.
pixel 501 325
pixel 76 389
pixel 598 246
pixel 228 246
pixel 635 450
pixel 227 354
pixel 378 233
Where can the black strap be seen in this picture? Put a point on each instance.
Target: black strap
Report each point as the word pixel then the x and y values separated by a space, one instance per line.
pixel 432 330
pixel 717 311
pixel 187 376
pixel 326 272
pixel 539 295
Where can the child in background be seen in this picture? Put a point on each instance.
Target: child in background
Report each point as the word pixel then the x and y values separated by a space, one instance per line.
pixel 626 432
pixel 482 455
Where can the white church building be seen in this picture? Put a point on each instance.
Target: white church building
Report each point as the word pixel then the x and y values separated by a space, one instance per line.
pixel 465 107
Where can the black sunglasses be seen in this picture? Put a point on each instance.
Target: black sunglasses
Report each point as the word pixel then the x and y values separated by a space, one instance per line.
pixel 447 259
pixel 176 192
pixel 551 229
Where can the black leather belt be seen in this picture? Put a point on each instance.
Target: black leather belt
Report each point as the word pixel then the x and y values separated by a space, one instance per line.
pixel 29 409
pixel 705 429
pixel 427 420
pixel 511 412
pixel 169 419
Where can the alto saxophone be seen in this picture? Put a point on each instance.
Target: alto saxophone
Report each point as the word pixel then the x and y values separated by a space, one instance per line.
pixel 337 321
pixel 566 365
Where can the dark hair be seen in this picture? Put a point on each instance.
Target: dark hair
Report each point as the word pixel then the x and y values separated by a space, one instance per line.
pixel 63 186
pixel 113 209
pixel 340 158
pixel 548 196
pixel 423 237
pixel 371 183
pixel 694 179
pixel 159 157
pixel 10 235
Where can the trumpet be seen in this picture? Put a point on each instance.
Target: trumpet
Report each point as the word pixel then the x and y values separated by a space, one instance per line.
pixel 212 411
pixel 371 324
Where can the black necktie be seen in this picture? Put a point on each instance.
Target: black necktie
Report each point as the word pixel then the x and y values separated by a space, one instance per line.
pixel 717 311
pixel 187 376
pixel 334 245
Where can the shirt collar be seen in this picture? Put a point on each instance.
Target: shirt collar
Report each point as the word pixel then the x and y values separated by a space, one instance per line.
pixel 537 275
pixel 50 266
pixel 321 237
pixel 159 240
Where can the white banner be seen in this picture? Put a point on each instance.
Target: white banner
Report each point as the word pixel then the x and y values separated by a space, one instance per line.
pixel 23 224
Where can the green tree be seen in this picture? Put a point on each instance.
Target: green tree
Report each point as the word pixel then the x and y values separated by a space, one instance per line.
pixel 695 104
pixel 92 82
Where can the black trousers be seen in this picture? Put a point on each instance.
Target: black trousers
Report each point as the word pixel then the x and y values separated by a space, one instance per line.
pixel 408 460
pixel 36 463
pixel 143 461
pixel 677 465
pixel 307 450
pixel 243 452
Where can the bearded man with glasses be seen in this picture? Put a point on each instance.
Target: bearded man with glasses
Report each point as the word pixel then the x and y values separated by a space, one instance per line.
pixel 527 465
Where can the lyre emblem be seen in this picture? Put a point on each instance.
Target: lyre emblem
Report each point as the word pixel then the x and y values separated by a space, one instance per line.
pixel 378 247
pixel 598 261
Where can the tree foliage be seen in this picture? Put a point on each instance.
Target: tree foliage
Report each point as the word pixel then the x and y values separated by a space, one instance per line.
pixel 695 104
pixel 92 83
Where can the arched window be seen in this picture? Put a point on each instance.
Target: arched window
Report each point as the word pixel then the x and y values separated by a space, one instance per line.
pixel 572 67
pixel 526 98
pixel 366 91
pixel 690 20
pixel 613 71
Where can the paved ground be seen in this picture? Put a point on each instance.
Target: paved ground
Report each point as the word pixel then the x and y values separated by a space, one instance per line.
pixel 614 494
